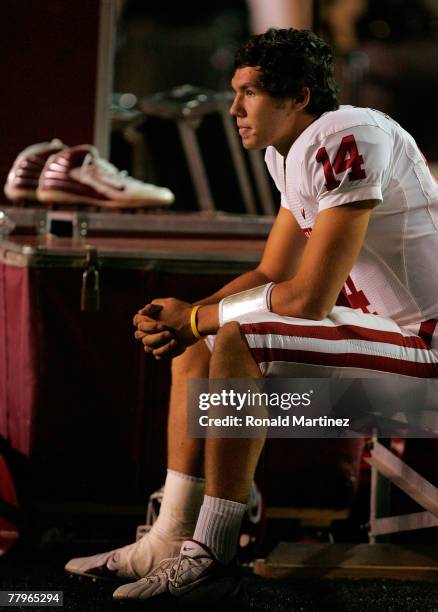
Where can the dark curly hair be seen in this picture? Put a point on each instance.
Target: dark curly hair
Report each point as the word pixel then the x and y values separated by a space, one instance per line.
pixel 290 60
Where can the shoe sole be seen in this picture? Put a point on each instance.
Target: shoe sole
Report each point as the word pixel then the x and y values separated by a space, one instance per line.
pixel 50 196
pixel 97 577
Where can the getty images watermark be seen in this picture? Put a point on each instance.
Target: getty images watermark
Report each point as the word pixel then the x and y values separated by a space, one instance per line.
pixel 312 408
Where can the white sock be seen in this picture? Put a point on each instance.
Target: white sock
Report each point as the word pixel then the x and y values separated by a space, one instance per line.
pixel 176 522
pixel 218 526
pixel 179 509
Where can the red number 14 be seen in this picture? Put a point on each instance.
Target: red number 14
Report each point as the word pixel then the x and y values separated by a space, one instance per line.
pixel 347 157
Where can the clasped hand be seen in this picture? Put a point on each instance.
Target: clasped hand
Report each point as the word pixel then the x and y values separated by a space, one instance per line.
pixel 163 326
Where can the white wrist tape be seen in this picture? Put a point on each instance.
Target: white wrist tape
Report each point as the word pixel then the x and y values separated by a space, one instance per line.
pixel 251 300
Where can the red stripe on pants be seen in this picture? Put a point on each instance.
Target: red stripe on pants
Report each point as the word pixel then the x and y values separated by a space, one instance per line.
pixel 338 332
pixel 347 360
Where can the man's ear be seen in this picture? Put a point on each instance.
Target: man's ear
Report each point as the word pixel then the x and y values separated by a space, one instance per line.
pixel 303 99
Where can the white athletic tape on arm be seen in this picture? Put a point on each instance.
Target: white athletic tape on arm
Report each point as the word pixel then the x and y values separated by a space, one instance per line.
pixel 251 300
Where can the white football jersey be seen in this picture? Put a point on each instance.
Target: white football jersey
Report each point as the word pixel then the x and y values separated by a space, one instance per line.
pixel 354 154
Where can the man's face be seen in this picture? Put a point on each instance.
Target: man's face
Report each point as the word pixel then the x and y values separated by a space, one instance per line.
pixel 262 120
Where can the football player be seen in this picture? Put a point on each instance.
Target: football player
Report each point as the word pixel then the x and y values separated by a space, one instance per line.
pixel 358 215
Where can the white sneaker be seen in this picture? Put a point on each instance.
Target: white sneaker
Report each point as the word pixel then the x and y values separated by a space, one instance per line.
pixel 23 177
pixel 79 176
pixel 129 562
pixel 194 577
pixel 154 584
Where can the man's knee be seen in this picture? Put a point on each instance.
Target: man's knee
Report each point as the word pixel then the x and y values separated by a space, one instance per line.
pixel 228 335
pixel 194 361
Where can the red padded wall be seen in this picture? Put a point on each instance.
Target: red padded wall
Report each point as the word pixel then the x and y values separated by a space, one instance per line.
pixel 48 74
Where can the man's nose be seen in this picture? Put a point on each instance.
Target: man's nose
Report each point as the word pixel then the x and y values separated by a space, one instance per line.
pixel 236 107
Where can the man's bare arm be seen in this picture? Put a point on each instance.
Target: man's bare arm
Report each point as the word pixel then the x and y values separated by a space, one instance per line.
pixel 329 256
pixel 327 260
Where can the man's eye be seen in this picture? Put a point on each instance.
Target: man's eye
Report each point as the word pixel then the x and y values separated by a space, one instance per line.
pixel 249 92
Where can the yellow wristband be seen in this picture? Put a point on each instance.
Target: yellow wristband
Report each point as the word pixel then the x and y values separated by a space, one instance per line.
pixel 193 325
